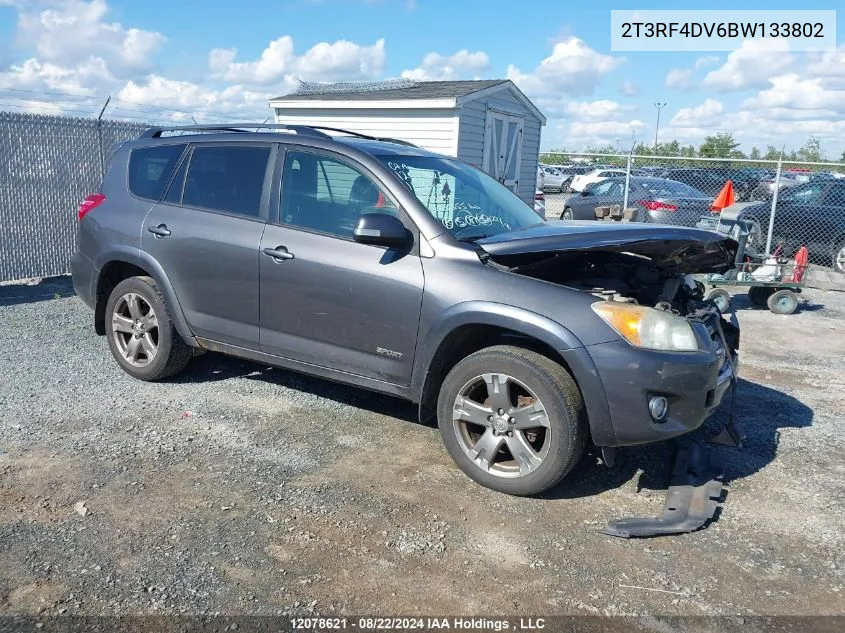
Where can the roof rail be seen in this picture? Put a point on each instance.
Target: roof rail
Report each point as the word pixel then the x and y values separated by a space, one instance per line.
pixel 318 131
pixel 360 135
pixel 306 130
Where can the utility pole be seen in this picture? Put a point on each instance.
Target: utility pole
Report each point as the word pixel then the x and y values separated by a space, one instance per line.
pixel 659 105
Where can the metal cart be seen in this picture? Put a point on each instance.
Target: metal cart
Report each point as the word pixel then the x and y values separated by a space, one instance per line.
pixel 774 283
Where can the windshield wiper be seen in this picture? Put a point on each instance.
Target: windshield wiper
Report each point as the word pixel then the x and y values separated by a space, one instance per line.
pixel 474 238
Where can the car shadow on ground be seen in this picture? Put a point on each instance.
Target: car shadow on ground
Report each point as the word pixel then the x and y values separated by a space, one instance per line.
pixel 212 367
pixel 761 410
pixel 44 290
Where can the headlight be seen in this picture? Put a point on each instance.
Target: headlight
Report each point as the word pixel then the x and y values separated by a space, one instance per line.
pixel 646 327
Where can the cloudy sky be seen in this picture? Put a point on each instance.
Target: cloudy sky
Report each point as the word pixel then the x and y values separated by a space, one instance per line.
pixel 218 60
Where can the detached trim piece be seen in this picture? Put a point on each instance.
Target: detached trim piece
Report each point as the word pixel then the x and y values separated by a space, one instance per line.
pixel 693 496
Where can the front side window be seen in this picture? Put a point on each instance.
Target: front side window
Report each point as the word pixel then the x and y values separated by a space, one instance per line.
pixel 466 201
pixel 150 169
pixel 227 178
pixel 326 195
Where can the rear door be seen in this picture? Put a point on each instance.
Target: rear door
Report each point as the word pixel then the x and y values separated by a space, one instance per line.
pixel 206 232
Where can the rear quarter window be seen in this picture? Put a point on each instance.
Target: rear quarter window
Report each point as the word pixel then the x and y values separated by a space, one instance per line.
pixel 150 169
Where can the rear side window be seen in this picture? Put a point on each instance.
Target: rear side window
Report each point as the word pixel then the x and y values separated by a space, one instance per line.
pixel 227 178
pixel 150 169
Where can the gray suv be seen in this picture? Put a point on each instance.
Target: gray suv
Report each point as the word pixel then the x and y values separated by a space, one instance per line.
pixel 375 263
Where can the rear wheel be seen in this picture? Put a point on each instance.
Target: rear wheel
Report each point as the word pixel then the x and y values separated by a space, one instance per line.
pixel 721 298
pixel 567 214
pixel 141 335
pixel 759 295
pixel 839 258
pixel 783 302
pixel 513 420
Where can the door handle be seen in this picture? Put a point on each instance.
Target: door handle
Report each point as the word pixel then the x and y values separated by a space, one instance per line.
pixel 279 254
pixel 159 231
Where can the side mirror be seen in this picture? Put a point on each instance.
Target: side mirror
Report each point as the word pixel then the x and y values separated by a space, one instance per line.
pixel 381 229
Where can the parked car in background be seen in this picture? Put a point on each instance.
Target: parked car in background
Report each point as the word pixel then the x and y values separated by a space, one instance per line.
pixel 811 215
pixel 657 200
pixel 540 203
pixel 580 181
pixel 541 177
pixel 765 188
pixel 711 180
pixel 552 179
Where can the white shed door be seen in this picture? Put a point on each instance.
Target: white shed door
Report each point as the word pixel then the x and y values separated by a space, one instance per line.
pixel 503 148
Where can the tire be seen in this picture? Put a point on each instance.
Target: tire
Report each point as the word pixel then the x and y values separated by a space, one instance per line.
pixel 783 302
pixel 567 214
pixel 838 259
pixel 146 347
pixel 759 295
pixel 721 298
pixel 545 394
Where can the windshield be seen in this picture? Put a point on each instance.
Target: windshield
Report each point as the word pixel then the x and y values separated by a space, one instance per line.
pixel 466 201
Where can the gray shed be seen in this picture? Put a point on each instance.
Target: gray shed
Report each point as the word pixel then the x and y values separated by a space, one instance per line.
pixel 487 123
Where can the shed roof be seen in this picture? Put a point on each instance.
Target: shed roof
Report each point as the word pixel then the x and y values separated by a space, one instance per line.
pixel 401 93
pixel 384 91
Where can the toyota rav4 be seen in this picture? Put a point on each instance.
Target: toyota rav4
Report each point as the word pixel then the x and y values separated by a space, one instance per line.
pixel 375 263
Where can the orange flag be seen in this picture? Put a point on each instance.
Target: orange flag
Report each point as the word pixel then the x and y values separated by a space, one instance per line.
pixel 725 198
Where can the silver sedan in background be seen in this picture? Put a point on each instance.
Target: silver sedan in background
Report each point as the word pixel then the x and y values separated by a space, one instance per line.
pixel 657 200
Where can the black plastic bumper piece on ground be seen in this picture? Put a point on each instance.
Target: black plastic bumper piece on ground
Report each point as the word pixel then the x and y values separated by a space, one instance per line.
pixel 692 498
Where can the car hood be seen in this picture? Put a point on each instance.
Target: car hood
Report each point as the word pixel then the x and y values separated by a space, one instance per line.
pixel 681 249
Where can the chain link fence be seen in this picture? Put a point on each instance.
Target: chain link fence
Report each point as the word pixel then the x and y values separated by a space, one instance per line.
pixel 48 164
pixel 789 204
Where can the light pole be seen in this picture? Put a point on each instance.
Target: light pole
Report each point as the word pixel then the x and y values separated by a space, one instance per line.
pixel 659 106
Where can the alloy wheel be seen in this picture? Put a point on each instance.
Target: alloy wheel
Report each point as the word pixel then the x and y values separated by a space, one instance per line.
pixel 839 260
pixel 135 329
pixel 501 425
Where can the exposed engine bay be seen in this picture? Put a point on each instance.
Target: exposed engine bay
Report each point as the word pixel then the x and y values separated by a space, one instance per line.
pixel 623 276
pixel 620 276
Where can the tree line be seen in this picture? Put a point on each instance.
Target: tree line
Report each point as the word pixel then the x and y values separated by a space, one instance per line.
pixel 721 145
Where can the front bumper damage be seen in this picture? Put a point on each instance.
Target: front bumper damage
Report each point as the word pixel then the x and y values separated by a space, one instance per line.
pixel 696 486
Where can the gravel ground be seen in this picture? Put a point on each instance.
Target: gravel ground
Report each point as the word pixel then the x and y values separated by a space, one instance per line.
pixel 237 488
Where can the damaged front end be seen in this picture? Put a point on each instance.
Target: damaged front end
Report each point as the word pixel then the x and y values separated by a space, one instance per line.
pixel 677 353
pixel 650 266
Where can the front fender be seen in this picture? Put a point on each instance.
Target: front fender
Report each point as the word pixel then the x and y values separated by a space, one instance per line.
pixel 528 323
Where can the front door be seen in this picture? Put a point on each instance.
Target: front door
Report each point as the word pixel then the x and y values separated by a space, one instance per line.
pixel 206 233
pixel 503 148
pixel 327 300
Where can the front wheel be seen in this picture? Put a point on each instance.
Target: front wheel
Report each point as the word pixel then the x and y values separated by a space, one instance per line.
pixel 513 420
pixel 567 214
